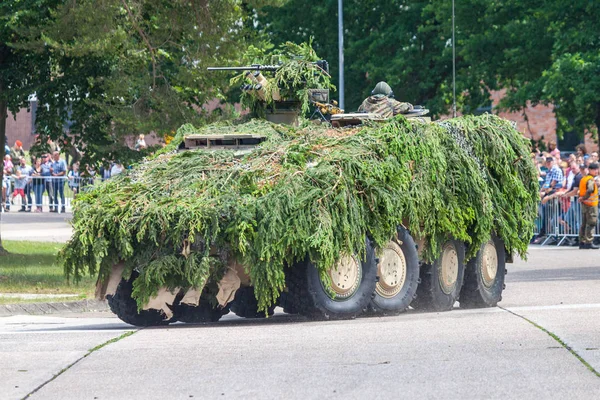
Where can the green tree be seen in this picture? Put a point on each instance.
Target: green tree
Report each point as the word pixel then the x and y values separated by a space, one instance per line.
pixel 135 66
pixel 402 42
pixel 540 51
pixel 21 72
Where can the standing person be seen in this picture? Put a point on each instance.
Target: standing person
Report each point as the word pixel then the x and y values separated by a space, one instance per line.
pixel 554 177
pixel 38 184
pixel 17 151
pixel 87 174
pixel 20 182
pixel 553 182
pixel 105 171
pixel 116 169
pixel 581 151
pixel 74 178
pixel 140 143
pixel 554 151
pixel 48 182
pixel 570 219
pixel 6 184
pixel 588 197
pixel 26 171
pixel 58 168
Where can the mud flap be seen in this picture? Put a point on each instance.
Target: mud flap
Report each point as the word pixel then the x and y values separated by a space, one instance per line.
pixel 162 301
pixel 192 297
pixel 228 285
pixel 108 286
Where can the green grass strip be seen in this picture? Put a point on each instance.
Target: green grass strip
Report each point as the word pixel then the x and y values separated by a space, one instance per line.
pixel 113 340
pixel 558 340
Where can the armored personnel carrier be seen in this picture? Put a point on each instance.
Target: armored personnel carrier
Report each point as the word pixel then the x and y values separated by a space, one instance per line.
pixel 325 222
pixel 332 220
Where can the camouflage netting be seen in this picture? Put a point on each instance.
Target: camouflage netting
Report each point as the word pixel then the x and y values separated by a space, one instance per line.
pixel 310 190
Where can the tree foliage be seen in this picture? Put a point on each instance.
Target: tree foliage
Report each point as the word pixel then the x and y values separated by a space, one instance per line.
pixel 122 67
pixel 540 51
pixel 297 73
pixel 21 72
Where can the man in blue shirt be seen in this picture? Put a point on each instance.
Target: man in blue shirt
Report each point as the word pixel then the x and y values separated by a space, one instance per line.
pixel 48 182
pixel 58 168
pixel 554 181
pixel 554 177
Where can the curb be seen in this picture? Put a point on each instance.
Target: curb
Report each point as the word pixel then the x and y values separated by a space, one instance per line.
pixel 53 308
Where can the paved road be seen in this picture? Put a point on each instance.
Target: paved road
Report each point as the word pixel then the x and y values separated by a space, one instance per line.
pixel 38 227
pixel 544 343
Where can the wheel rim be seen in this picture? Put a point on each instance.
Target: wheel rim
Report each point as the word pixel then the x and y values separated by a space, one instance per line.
pixel 449 268
pixel 345 277
pixel 489 265
pixel 391 271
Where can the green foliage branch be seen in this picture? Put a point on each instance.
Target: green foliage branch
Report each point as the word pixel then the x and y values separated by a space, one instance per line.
pixel 179 218
pixel 297 74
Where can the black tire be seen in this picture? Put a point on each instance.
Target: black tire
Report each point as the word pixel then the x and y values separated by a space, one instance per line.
pixel 125 307
pixel 286 301
pixel 204 312
pixel 245 304
pixel 479 289
pixel 308 297
pixel 393 294
pixel 436 293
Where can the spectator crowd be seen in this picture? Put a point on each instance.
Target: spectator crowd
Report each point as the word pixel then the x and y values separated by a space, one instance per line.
pixel 46 175
pixel 559 179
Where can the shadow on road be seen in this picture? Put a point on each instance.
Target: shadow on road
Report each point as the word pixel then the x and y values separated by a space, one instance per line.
pixel 555 274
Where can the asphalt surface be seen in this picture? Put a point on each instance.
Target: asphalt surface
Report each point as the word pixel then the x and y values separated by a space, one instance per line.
pixel 36 227
pixel 543 343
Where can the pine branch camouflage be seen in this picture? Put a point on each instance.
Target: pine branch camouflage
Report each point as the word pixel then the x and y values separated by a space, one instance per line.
pixel 311 191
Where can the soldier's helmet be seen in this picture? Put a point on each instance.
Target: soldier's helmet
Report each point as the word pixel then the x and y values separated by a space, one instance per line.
pixel 383 88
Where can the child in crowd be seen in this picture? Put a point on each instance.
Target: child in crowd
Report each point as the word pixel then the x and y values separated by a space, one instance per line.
pixel 74 178
pixel 20 183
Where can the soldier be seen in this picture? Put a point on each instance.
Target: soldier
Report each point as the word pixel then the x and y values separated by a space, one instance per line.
pixel 382 102
pixel 588 197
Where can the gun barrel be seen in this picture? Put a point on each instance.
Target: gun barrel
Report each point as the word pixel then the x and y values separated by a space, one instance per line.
pixel 256 67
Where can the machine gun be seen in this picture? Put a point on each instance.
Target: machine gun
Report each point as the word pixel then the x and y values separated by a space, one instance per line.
pixel 328 108
pixel 253 67
pixel 322 64
pixel 259 82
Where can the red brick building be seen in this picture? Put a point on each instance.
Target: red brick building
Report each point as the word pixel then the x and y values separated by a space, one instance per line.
pixel 539 123
pixel 21 128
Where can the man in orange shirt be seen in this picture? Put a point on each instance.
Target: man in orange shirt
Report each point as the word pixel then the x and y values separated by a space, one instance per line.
pixel 588 197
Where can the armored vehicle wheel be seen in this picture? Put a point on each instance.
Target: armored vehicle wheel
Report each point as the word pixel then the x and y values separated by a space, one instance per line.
pixel 204 312
pixel 352 282
pixel 398 271
pixel 245 304
pixel 442 281
pixel 125 307
pixel 484 277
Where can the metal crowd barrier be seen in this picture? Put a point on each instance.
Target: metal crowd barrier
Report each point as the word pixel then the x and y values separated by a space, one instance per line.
pixel 559 220
pixel 44 193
